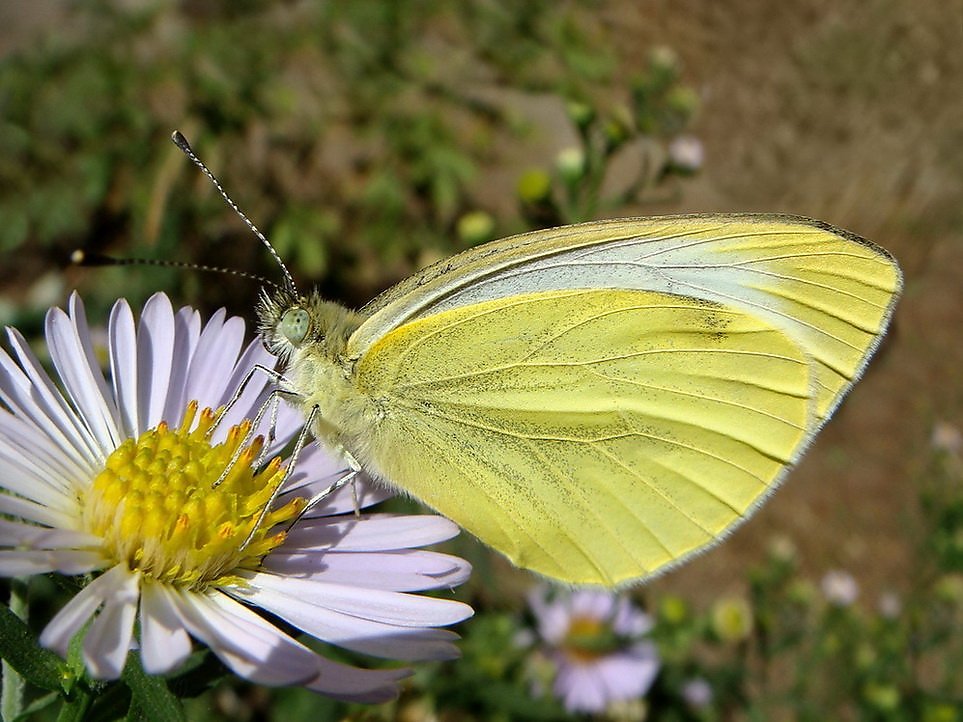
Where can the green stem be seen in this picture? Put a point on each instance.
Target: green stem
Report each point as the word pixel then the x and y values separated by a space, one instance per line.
pixel 11 692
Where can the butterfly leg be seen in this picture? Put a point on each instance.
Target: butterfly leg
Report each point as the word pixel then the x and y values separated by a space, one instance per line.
pixel 354 498
pixel 292 463
pixel 275 402
pixel 276 376
pixel 354 469
pixel 271 402
pixel 350 477
pixel 302 440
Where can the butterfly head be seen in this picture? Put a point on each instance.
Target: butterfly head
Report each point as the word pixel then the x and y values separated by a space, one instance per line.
pixel 289 322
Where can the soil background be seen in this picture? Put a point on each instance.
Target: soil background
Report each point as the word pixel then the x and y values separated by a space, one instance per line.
pixel 850 112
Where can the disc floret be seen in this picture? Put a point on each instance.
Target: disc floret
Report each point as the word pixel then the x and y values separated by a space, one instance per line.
pixel 159 509
pixel 588 639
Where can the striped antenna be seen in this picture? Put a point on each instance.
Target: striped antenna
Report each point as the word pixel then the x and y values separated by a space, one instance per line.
pixel 81 257
pixel 181 142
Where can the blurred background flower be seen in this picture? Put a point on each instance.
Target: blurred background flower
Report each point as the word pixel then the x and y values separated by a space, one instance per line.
pixel 839 587
pixel 595 641
pixel 732 619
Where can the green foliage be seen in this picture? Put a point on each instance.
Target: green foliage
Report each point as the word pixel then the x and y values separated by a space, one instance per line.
pixel 581 187
pixel 369 127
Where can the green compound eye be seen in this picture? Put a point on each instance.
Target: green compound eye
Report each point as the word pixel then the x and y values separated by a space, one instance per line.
pixel 294 325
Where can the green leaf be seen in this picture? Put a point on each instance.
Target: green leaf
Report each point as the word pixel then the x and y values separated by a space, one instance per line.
pixel 199 673
pixel 38 705
pixel 151 698
pixel 23 652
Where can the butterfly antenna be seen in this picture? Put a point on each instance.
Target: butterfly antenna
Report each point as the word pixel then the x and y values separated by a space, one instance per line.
pixel 82 258
pixel 181 142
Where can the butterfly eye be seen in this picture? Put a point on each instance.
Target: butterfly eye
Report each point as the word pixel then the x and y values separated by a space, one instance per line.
pixel 294 325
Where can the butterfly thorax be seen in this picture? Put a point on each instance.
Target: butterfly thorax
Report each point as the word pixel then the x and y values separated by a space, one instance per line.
pixel 310 335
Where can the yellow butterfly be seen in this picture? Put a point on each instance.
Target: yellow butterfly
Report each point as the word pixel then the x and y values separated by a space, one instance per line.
pixel 597 402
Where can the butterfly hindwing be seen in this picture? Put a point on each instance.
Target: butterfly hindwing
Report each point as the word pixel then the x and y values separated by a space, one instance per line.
pixel 595 436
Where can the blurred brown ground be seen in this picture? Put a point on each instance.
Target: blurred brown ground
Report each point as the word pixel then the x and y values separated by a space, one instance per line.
pixel 851 112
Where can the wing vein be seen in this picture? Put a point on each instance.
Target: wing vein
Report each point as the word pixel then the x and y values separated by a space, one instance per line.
pixel 612 437
pixel 579 364
pixel 703 397
pixel 546 464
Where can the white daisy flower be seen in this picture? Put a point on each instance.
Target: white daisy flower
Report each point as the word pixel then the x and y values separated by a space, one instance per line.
pixel 597 641
pixel 114 479
pixel 840 588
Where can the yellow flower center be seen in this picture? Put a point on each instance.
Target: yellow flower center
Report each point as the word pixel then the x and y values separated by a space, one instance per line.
pixel 157 509
pixel 588 639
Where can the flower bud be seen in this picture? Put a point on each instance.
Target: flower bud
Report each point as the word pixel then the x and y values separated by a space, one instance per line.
pixel 475 227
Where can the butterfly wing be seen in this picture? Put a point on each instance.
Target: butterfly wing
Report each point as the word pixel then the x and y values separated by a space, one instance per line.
pixel 829 290
pixel 599 401
pixel 594 436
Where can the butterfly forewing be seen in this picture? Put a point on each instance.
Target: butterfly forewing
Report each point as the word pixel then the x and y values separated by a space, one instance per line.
pixel 831 291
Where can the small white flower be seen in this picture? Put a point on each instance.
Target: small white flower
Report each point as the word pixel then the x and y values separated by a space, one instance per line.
pixel 686 153
pixel 596 640
pixel 571 164
pixel 115 478
pixel 840 588
pixel 890 606
pixel 697 693
pixel 946 437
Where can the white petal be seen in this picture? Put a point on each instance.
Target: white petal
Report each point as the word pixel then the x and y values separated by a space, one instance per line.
pixel 255 394
pixel 217 351
pixel 400 571
pixel 84 384
pixel 187 331
pixel 52 464
pixel 592 604
pixel 32 511
pixel 581 688
pixel 65 561
pixel 155 349
pixel 397 608
pixel 18 534
pixel 122 343
pixel 374 532
pixel 629 675
pixel 246 643
pixel 107 641
pixel 69 620
pixel 27 390
pixel 165 643
pixel 23 476
pixel 351 684
pixel 553 616
pixel 351 631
